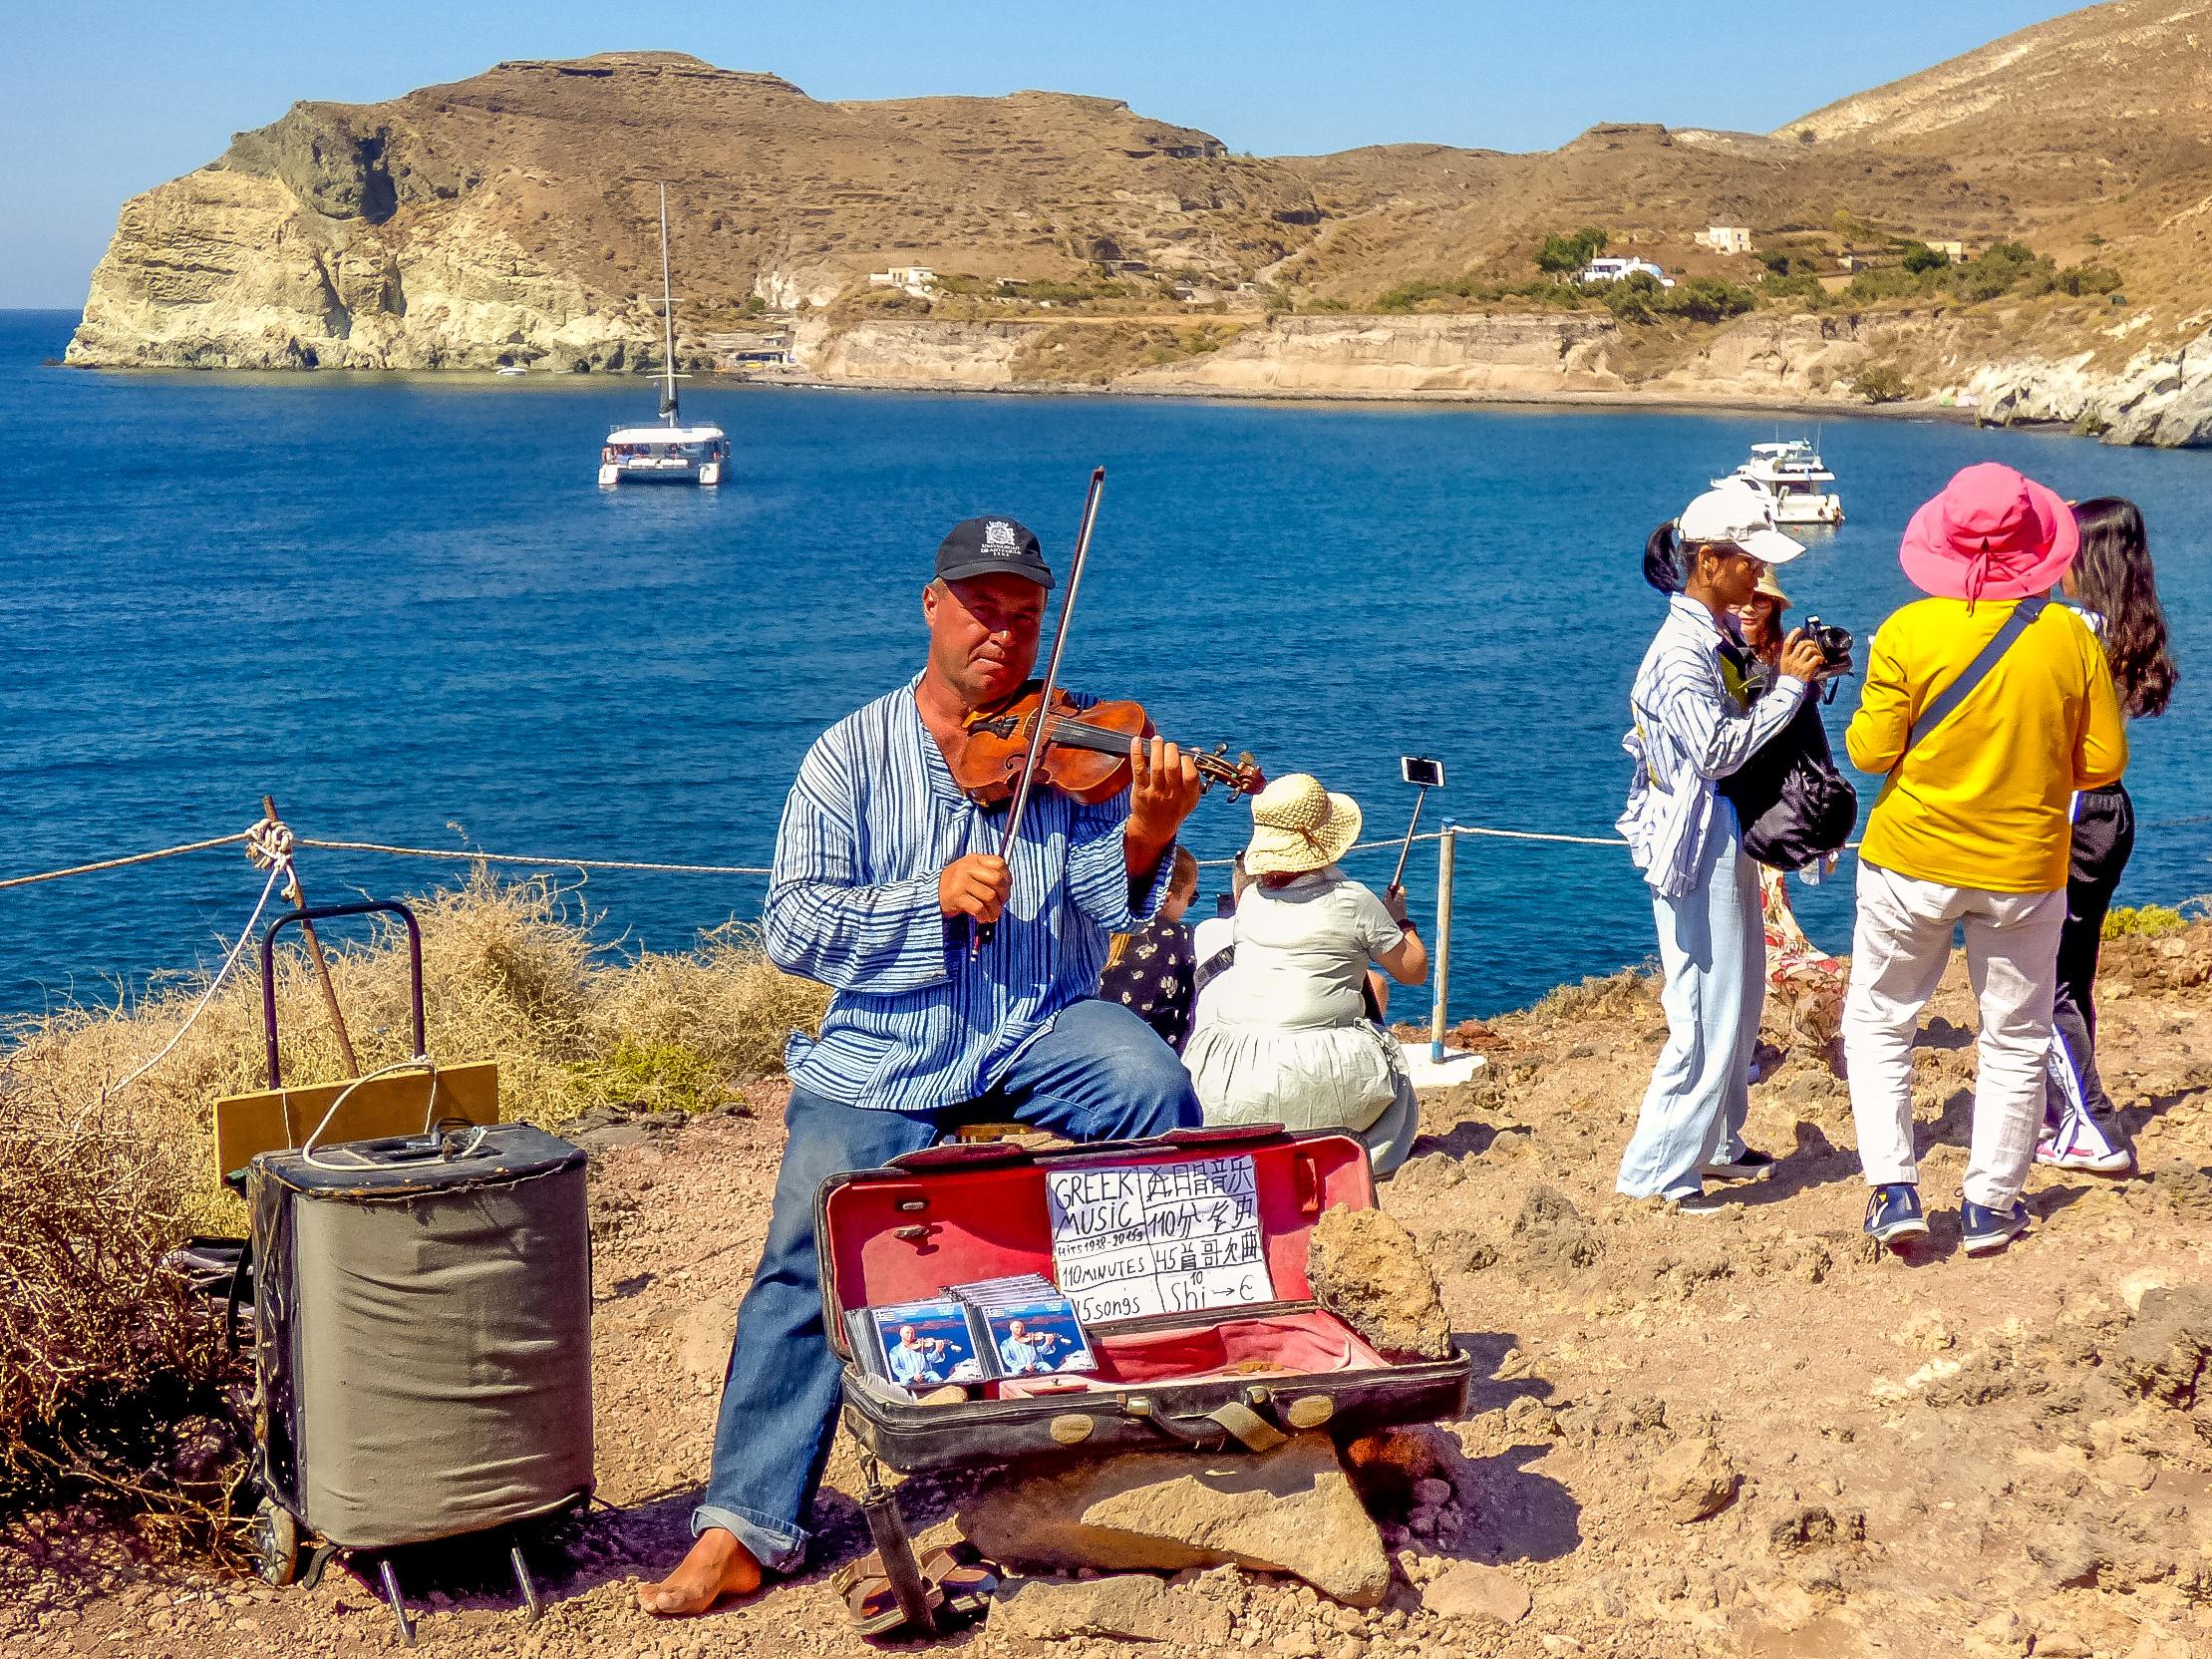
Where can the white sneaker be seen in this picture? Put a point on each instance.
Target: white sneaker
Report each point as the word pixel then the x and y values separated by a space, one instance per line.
pixel 2078 1143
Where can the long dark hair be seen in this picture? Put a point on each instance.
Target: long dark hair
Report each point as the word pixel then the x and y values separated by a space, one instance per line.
pixel 1663 560
pixel 2112 577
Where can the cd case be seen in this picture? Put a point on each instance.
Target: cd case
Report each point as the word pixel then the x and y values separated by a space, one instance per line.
pixel 991 1329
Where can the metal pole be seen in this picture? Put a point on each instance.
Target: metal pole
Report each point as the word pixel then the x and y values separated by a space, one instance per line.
pixel 1445 843
pixel 668 314
pixel 298 896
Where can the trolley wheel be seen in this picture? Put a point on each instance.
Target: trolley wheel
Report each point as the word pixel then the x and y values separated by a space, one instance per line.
pixel 275 1545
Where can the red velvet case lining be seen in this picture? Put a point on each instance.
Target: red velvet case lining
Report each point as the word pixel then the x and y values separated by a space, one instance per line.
pixel 904 1236
pixel 1311 1342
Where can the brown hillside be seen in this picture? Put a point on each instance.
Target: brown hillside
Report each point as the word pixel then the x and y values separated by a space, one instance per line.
pixel 769 183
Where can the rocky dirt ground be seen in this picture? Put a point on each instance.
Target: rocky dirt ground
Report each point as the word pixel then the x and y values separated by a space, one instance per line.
pixel 1730 1434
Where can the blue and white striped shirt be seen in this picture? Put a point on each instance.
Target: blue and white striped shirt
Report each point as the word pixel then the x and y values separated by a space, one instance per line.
pixel 914 1024
pixel 1691 728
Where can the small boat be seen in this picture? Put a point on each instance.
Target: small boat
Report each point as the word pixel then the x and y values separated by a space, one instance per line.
pixel 511 369
pixel 668 452
pixel 1790 475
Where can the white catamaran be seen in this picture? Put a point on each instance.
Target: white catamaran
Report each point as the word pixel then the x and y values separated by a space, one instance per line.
pixel 670 451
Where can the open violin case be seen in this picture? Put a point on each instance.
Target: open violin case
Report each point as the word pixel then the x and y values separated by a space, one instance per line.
pixel 1229 1378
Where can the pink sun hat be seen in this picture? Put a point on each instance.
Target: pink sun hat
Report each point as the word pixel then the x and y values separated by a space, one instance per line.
pixel 1991 535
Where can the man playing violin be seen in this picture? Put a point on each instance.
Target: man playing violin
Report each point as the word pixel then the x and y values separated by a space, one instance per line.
pixel 882 870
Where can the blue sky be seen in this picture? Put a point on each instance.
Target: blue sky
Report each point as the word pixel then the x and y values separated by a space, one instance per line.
pixel 99 100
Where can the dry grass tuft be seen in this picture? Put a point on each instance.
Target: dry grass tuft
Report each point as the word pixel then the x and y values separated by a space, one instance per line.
pixel 114 1381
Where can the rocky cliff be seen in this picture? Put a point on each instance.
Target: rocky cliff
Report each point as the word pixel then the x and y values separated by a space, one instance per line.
pixel 2161 396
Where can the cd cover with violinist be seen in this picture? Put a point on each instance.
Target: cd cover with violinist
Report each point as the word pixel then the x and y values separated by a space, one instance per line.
pixel 919 1345
pixel 1017 1326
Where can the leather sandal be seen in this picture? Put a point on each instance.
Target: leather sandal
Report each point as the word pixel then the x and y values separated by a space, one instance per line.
pixel 967 1585
pixel 872 1606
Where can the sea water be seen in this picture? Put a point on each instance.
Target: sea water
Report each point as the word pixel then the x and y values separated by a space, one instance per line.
pixel 400 606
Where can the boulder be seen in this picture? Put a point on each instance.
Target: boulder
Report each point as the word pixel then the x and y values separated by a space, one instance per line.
pixel 1290 1510
pixel 1365 1268
pixel 1551 1236
pixel 1694 1479
pixel 1470 1590
pixel 2164 1354
pixel 1124 1607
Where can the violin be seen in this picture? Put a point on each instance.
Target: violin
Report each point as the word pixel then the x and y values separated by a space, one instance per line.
pixel 1085 753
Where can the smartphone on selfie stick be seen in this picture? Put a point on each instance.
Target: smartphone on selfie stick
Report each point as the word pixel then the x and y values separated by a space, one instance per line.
pixel 1425 775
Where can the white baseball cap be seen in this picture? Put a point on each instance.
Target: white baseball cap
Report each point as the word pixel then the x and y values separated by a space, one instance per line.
pixel 1738 515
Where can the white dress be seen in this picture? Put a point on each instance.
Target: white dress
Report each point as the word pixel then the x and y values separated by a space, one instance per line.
pixel 1283 1035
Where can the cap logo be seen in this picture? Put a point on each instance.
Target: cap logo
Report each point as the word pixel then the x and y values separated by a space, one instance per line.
pixel 998 540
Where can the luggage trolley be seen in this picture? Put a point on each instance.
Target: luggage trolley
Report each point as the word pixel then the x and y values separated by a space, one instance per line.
pixel 419 1280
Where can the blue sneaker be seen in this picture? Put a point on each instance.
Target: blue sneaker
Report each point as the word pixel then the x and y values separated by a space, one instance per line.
pixel 1893 1212
pixel 1989 1231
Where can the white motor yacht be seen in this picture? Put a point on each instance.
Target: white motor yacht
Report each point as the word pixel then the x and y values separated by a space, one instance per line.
pixel 1790 475
pixel 669 452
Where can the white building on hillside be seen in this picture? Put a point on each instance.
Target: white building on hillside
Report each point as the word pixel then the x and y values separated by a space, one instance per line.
pixel 1727 238
pixel 917 281
pixel 1612 269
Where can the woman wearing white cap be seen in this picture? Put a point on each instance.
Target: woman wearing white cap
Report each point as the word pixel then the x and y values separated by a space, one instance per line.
pixel 1285 1038
pixel 1693 725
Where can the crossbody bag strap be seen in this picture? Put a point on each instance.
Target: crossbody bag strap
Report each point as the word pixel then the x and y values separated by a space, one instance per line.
pixel 1204 972
pixel 1941 706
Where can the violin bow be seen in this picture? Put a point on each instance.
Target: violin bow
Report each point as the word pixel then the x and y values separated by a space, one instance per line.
pixel 1020 805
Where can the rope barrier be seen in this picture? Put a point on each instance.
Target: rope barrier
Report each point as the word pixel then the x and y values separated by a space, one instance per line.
pixel 466 855
pixel 1457 830
pixel 127 859
pixel 269 842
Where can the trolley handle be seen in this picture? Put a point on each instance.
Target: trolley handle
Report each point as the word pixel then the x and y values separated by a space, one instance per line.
pixel 326 913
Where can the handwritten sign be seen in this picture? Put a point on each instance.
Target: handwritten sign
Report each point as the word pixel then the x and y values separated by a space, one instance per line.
pixel 1137 1239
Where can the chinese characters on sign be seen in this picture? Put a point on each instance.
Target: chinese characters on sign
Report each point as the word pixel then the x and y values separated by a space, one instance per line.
pixel 1139 1238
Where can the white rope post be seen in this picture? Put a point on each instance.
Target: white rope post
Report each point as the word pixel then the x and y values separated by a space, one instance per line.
pixel 1445 843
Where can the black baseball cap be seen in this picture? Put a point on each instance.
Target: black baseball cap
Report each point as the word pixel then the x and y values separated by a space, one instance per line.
pixel 992 547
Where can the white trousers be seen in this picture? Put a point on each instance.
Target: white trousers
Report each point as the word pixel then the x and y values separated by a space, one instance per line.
pixel 1713 947
pixel 1899 950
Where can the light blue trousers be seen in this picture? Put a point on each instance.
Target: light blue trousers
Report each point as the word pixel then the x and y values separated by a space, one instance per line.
pixel 1713 947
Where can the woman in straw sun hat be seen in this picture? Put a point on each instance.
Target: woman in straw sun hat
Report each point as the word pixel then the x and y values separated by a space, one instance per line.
pixel 1285 1037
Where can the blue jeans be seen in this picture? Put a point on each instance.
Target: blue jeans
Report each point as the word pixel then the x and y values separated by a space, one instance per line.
pixel 1098 1072
pixel 1712 946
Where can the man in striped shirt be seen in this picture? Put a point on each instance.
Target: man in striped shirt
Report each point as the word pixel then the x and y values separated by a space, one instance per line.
pixel 882 870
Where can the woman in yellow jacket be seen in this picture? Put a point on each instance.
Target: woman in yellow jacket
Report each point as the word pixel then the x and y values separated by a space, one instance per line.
pixel 1972 827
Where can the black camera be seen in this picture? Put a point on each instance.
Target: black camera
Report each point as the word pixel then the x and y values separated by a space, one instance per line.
pixel 1836 643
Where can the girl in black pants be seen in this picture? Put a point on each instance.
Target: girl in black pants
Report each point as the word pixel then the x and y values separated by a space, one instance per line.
pixel 2112 580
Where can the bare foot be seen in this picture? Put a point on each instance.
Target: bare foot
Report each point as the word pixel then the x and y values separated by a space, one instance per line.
pixel 717 1566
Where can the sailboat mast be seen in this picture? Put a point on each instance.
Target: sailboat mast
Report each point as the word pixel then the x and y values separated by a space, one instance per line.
pixel 668 317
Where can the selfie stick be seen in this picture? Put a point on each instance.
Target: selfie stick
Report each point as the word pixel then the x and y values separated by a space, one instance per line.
pixel 982 934
pixel 1397 877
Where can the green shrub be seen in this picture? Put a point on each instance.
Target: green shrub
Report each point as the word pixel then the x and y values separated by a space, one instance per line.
pixel 1883 383
pixel 2001 268
pixel 657 1074
pixel 1563 256
pixel 1804 287
pixel 2144 922
pixel 2088 280
pixel 1919 256
pixel 1705 299
pixel 1887 282
pixel 1639 297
